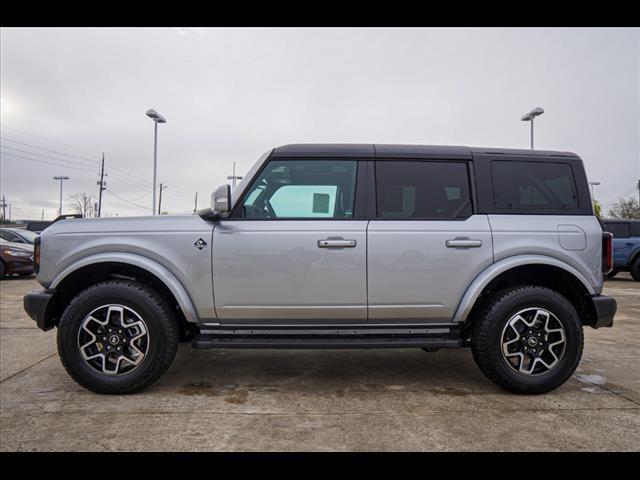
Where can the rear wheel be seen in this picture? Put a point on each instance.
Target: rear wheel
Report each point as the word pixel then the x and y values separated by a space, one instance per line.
pixel 117 337
pixel 528 339
pixel 2 270
pixel 635 269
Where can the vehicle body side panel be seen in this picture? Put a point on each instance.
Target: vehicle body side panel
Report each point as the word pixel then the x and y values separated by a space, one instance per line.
pixel 507 263
pixel 413 276
pixel 543 235
pixel 273 271
pixel 162 240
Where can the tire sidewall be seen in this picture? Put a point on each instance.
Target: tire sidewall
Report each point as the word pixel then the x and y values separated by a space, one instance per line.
pixel 88 301
pixel 566 314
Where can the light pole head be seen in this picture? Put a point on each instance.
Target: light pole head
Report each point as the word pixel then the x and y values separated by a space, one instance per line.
pixel 532 114
pixel 155 116
pixel 61 178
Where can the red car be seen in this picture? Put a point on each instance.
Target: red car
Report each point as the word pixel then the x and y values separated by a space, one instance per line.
pixel 15 258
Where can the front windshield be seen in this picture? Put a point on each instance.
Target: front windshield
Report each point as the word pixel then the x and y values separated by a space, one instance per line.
pixel 28 236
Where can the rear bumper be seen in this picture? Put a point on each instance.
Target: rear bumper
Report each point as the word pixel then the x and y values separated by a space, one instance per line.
pixel 605 308
pixel 38 305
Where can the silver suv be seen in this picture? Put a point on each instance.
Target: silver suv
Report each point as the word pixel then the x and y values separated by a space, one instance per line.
pixel 341 246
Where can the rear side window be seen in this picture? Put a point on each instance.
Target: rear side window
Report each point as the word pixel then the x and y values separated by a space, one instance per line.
pixel 618 229
pixel 422 189
pixel 534 187
pixel 635 229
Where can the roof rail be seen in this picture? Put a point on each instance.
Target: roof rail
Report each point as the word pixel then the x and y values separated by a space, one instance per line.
pixel 66 216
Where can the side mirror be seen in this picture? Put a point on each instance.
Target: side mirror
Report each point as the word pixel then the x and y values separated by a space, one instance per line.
pixel 220 204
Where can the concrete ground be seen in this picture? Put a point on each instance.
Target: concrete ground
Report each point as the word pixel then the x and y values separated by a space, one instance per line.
pixel 338 400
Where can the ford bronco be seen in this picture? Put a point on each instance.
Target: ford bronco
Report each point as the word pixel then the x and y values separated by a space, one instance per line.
pixel 341 246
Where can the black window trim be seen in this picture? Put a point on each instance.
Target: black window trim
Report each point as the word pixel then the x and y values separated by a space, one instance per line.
pixel 360 203
pixel 470 180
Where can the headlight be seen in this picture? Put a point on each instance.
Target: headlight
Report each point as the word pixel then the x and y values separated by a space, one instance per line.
pixel 17 253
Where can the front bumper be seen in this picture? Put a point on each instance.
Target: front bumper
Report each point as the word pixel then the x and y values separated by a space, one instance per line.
pixel 604 308
pixel 39 304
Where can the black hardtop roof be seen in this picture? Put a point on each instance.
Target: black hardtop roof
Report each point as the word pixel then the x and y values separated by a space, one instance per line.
pixel 371 150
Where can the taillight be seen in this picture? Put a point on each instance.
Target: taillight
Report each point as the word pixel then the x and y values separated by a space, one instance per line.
pixel 36 254
pixel 607 252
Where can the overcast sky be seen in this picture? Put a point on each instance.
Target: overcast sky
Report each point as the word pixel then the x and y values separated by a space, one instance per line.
pixel 230 94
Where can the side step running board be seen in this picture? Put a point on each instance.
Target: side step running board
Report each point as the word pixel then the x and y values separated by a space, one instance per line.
pixel 235 341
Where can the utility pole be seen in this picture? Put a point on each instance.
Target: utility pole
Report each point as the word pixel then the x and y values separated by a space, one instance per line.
pixel 160 199
pixel 234 177
pixel 4 212
pixel 639 190
pixel 61 179
pixel 195 207
pixel 102 185
pixel 42 218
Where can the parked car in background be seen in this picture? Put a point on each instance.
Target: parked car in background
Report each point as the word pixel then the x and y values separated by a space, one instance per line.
pixel 37 226
pixel 15 258
pixel 18 235
pixel 626 246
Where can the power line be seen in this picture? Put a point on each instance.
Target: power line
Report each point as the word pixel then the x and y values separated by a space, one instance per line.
pixel 47 156
pixel 50 150
pixel 50 139
pixel 47 163
pixel 125 200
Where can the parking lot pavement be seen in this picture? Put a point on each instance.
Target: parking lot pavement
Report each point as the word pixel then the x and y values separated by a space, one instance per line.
pixel 298 400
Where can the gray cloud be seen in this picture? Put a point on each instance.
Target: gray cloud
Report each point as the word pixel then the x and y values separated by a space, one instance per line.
pixel 230 94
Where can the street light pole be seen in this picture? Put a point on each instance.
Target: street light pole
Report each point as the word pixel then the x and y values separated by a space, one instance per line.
pixel 61 179
pixel 528 117
pixel 157 118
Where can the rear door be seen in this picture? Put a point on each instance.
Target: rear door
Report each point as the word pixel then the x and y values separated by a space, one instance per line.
pixel 425 245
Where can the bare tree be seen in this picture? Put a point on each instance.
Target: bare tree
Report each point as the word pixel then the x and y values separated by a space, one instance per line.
pixel 83 203
pixel 625 208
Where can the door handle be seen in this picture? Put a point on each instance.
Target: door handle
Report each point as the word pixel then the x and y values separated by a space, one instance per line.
pixel 629 244
pixel 463 243
pixel 336 243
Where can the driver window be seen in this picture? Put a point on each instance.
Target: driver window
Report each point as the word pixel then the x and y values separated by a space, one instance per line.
pixel 302 189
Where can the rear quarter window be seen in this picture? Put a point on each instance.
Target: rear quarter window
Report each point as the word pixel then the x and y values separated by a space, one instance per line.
pixel 533 187
pixel 635 229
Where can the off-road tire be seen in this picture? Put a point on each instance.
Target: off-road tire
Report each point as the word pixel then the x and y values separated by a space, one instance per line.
pixel 152 308
pixel 486 341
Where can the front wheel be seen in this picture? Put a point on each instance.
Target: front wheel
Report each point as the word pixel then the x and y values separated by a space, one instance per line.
pixel 117 337
pixel 528 339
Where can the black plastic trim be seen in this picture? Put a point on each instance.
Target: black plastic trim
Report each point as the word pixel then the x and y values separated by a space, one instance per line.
pixel 219 341
pixel 605 309
pixel 38 305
